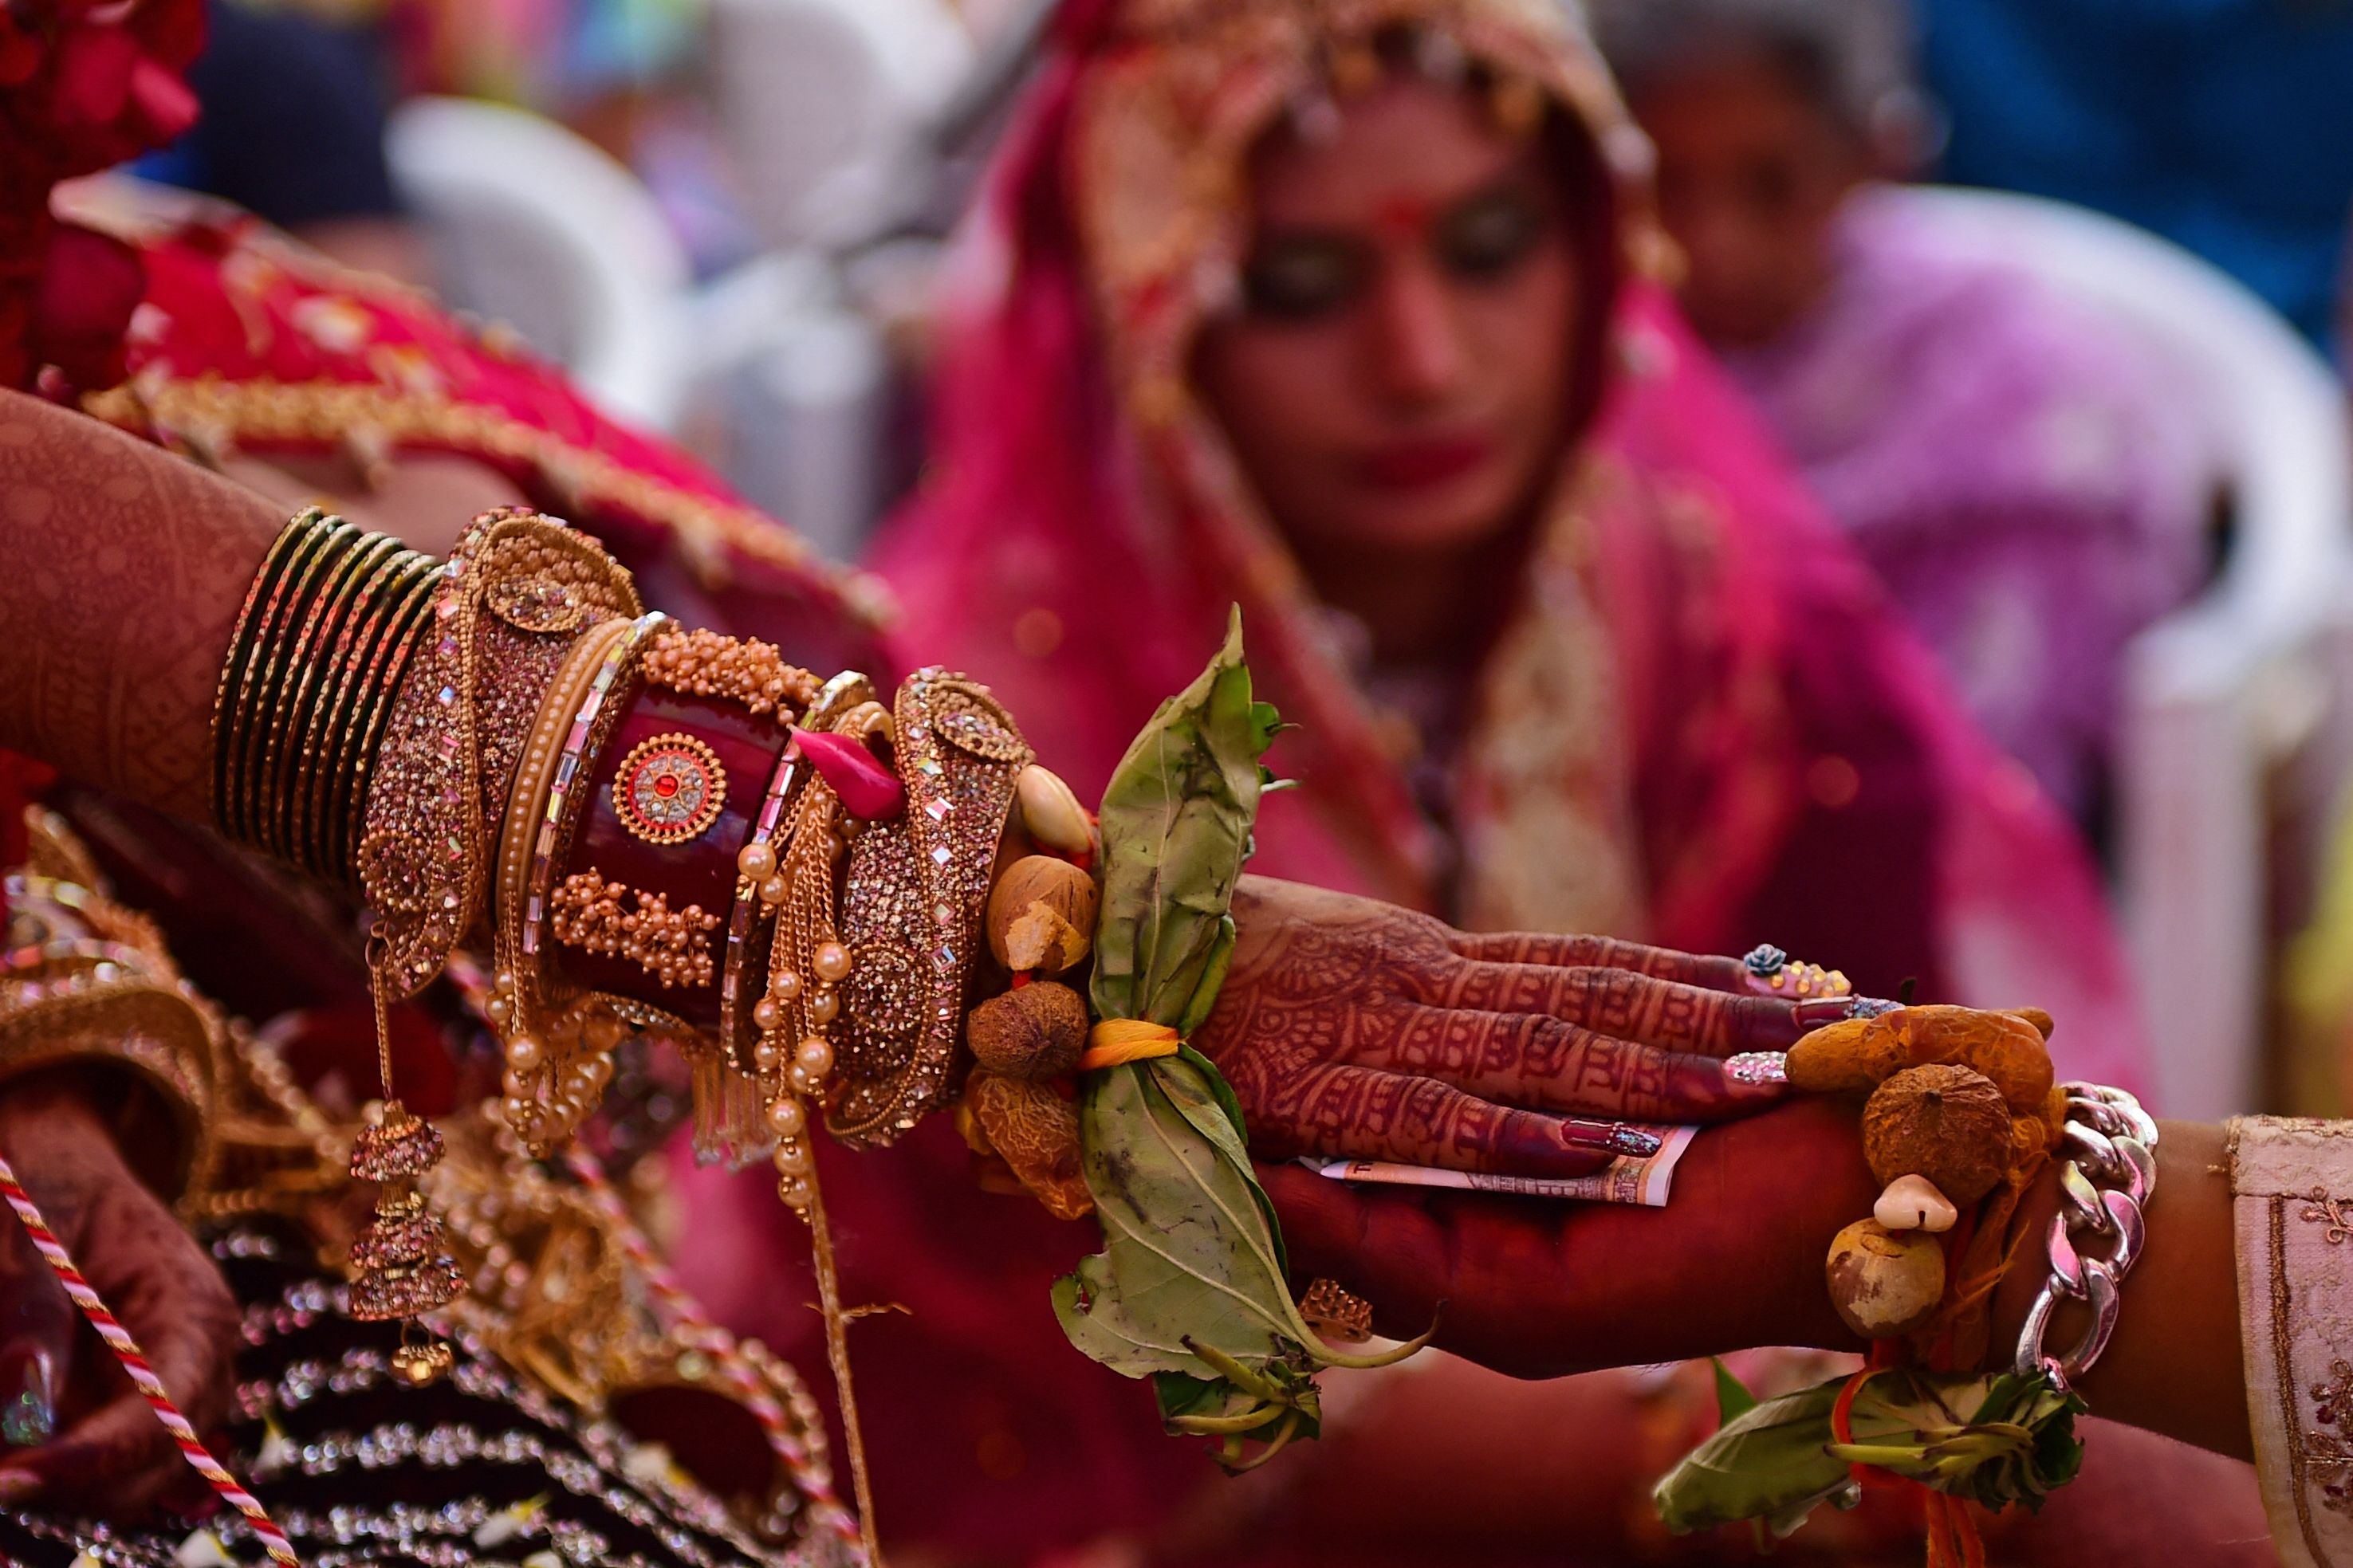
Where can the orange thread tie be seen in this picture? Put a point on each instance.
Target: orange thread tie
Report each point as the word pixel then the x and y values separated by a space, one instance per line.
pixel 1117 1041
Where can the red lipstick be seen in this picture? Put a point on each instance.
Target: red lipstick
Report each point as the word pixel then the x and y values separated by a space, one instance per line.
pixel 1422 463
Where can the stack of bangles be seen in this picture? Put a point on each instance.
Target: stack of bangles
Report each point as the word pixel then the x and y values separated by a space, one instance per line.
pixel 651 829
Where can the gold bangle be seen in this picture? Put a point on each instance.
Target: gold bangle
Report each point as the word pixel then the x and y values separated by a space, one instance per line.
pixel 328 774
pixel 405 628
pixel 240 650
pixel 527 796
pixel 309 659
pixel 265 680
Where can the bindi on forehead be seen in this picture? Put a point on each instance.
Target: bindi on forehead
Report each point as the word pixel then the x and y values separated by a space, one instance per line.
pixel 1395 157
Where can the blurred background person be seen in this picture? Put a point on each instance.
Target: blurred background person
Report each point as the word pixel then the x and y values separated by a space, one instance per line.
pixel 292 103
pixel 2022 473
pixel 2224 125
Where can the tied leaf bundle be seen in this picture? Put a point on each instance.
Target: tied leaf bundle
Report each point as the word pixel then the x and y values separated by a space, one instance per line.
pixel 1190 1289
pixel 1992 1440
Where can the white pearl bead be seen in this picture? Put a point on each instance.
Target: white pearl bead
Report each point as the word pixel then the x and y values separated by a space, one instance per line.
pixel 767 1055
pixel 815 1057
pixel 767 1012
pixel 793 1158
pixel 797 1079
pixel 795 1192
pixel 774 890
pixel 785 985
pixel 786 1117
pixel 516 1113
pixel 598 1070
pixel 832 961
pixel 524 1053
pixel 498 1010
pixel 826 1005
pixel 517 1086
pixel 757 862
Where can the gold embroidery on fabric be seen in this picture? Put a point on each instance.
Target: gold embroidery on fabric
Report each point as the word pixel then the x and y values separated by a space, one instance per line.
pixel 2290 1418
pixel 2333 1408
pixel 2332 1210
pixel 207 409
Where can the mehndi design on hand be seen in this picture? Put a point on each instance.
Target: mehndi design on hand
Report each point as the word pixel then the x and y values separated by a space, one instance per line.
pixel 1358 1029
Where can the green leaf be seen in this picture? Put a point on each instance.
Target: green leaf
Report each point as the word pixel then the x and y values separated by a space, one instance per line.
pixel 1732 1398
pixel 1176 821
pixel 1190 1256
pixel 1769 1461
pixel 1995 1440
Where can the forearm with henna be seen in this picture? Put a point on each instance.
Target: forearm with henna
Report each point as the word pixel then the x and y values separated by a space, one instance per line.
pixel 122 569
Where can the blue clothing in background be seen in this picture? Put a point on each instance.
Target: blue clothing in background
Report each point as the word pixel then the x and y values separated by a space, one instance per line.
pixel 292 118
pixel 2226 125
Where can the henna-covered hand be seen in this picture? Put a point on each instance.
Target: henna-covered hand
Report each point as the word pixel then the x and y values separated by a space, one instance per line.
pixel 1355 1029
pixel 106 1452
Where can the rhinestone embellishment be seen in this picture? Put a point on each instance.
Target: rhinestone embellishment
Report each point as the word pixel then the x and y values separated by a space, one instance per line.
pixel 670 789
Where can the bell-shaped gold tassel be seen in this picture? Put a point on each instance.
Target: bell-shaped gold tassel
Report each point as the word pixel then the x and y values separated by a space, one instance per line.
pixel 401 1262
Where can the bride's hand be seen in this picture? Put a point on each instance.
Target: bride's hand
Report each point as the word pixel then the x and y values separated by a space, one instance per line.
pixel 1540 1288
pixel 107 1450
pixel 1355 1028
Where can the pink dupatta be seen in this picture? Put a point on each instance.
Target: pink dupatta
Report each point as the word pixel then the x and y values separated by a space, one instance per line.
pixel 1702 723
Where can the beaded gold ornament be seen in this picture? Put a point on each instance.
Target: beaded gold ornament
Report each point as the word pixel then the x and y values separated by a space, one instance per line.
pixel 743 670
pixel 609 916
pixel 912 916
pixel 509 597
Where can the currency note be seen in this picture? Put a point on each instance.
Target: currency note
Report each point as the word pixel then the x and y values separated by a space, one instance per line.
pixel 1643 1179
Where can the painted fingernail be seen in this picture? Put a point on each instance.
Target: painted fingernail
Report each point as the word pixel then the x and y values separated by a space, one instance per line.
pixel 1618 1137
pixel 28 1412
pixel 1539 1146
pixel 1820 1010
pixel 1757 1069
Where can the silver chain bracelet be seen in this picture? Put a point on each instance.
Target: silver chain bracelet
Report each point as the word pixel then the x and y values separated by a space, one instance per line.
pixel 2109 1147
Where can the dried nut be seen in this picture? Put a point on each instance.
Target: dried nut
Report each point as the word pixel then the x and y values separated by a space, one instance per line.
pixel 1913 1203
pixel 1041 915
pixel 1053 812
pixel 2005 1047
pixel 2044 1022
pixel 1849 1056
pixel 1945 1122
pixel 1882 1282
pixel 1035 1031
pixel 2053 1108
pixel 967 1126
pixel 1036 1132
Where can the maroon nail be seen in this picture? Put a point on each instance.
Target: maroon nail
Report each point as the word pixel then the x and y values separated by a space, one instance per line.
pixel 1617 1137
pixel 1540 1146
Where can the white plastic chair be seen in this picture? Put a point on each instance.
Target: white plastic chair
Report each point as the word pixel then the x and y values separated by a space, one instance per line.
pixel 2224 693
pixel 534 226
pixel 825 106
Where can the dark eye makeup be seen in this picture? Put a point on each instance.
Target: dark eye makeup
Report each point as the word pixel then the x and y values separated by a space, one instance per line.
pixel 1303 276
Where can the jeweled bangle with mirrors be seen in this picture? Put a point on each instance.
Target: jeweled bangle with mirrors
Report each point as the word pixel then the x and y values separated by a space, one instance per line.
pixel 546 1038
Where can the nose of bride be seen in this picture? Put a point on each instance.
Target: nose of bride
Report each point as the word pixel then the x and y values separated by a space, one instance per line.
pixel 1420 357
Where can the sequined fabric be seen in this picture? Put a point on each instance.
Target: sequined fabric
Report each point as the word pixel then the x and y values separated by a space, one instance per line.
pixel 480 1469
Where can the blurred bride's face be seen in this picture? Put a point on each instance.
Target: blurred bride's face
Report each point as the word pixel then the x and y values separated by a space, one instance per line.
pixel 1396 374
